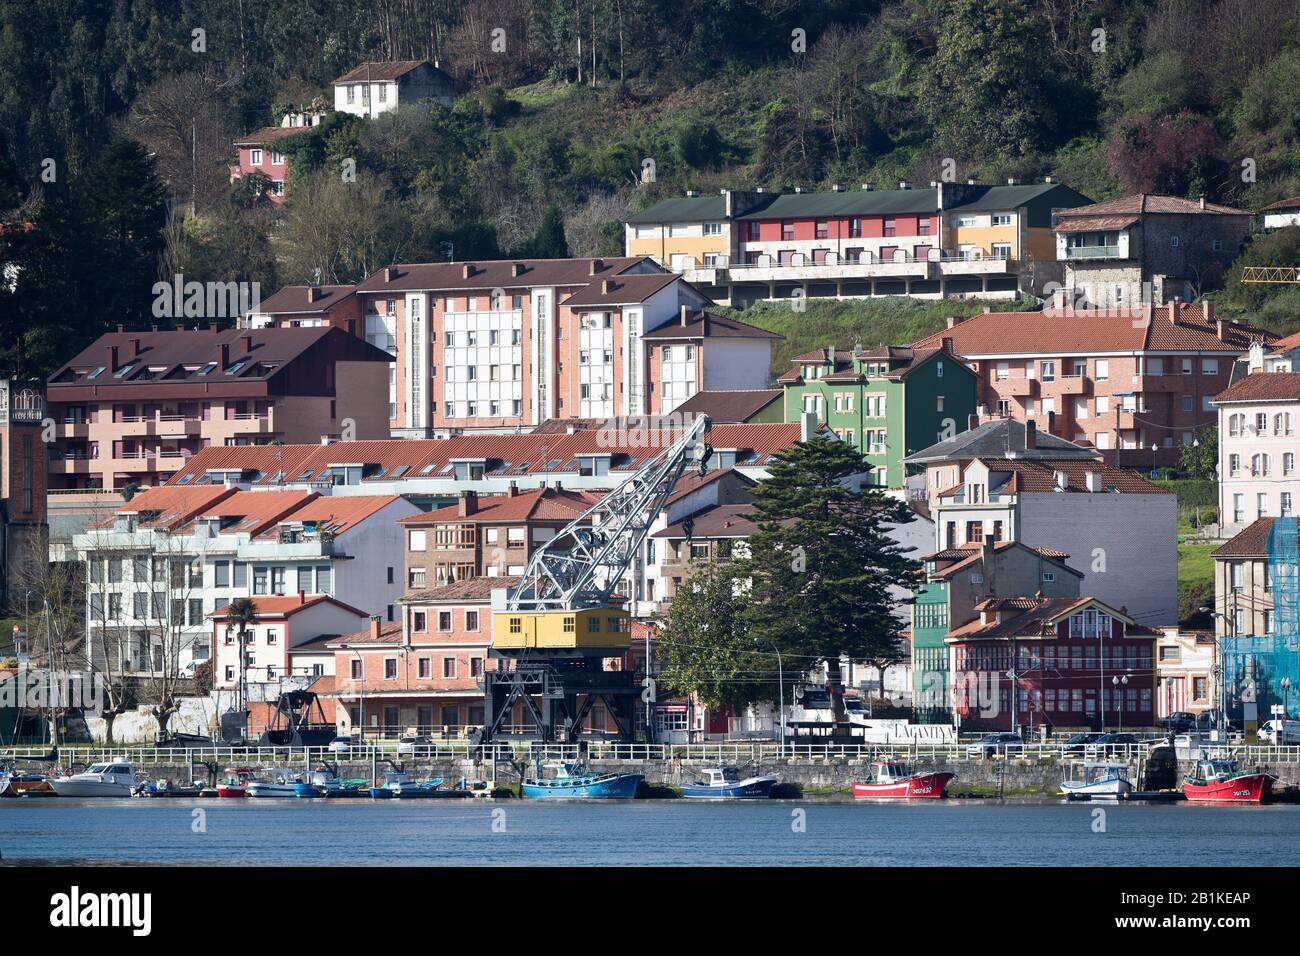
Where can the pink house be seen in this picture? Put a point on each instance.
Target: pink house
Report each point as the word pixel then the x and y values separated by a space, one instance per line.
pixel 259 152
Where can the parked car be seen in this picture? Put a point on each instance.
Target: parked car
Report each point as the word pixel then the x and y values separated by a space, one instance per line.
pixel 1111 744
pixel 1209 720
pixel 407 743
pixel 341 744
pixel 1289 731
pixel 991 744
pixel 1076 744
pixel 1179 722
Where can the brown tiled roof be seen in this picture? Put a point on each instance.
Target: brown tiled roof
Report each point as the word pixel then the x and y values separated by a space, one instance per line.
pixel 499 274
pixel 166 506
pixel 623 290
pixel 271 134
pixel 293 299
pixel 380 71
pixel 1286 343
pixel 389 633
pixel 288 604
pixel 1094 223
pixel 471 589
pixel 1250 542
pixel 707 325
pixel 1292 203
pixel 1263 387
pixel 968 555
pixel 1040 476
pixel 720 521
pixel 1037 617
pixel 1065 332
pixel 729 405
pixel 336 513
pixel 540 504
pixel 1142 203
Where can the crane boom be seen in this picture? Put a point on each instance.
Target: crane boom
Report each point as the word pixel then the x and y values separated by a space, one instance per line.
pixel 581 566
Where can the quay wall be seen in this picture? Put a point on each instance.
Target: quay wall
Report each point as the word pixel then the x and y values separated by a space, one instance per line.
pixel 807 774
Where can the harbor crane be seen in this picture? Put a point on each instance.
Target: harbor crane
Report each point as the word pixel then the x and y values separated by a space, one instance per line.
pixel 552 632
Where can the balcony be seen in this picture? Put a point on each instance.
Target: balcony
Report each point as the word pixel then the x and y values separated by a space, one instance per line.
pixel 1019 387
pixel 1067 385
pixel 955 264
pixel 801 268
pixel 1077 253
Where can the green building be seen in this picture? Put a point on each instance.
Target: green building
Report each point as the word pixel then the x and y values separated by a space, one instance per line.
pixel 931 703
pixel 889 402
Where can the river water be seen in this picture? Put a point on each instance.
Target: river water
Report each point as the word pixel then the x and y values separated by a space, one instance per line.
pixel 810 832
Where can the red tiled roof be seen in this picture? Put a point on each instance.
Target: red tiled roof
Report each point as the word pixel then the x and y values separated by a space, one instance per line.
pixel 337 513
pixel 1065 332
pixel 499 274
pixel 171 506
pixel 1292 203
pixel 377 71
pixel 1037 617
pixel 539 504
pixel 256 511
pixel 728 405
pixel 1286 343
pixel 287 605
pixel 1040 476
pixel 271 134
pixel 1263 387
pixel 1250 542
pixel 1143 203
pixel 470 589
pixel 293 299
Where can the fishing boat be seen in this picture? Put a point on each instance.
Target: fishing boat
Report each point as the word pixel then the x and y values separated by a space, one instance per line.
pixel 113 778
pixel 571 780
pixel 1223 781
pixel 1096 780
pixel 725 783
pixel 16 783
pixel 398 784
pixel 235 782
pixel 893 780
pixel 273 782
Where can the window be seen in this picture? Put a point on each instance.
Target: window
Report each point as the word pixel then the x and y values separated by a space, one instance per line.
pixel 1102 370
pixel 444 620
pixel 417 541
pixel 471 620
pixel 390 668
pixel 356 671
pixel 1209 366
pixel 255 157
pixel 449 667
pixel 1049 371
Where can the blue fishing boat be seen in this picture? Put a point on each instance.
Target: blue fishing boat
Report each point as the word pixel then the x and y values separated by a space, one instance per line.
pixel 571 780
pixel 725 783
pixel 402 786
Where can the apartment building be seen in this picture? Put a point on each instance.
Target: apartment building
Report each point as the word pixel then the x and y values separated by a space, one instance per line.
pixel 956 582
pixel 1141 249
pixel 1005 481
pixel 160 564
pixel 953 239
pixel 310 306
pixel 1243 583
pixel 1135 384
pixel 1258 478
pixel 1185 669
pixel 372 89
pixel 887 402
pixel 134 407
pixel 1029 663
pixel 486 536
pixel 283 627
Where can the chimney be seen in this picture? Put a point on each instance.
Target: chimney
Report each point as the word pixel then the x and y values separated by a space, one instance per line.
pixel 704 323
pixel 607 286
pixel 213 328
pixel 467 270
pixel 946 344
pixel 597 265
pixel 867 187
pixel 135 348
pixel 685 316
pixel 374 627
pixel 313 293
pixel 224 360
pixel 390 273
pixel 1176 310
pixel 1031 435
pixel 1013 182
pixel 954 321
pixel 972 421
pixel 468 504
pixel 836 188
pixel 512 490
pixel 1051 423
pixel 1092 481
pixel 904 184
pixel 112 358
pixel 302 598
pixel 807 425
pixel 1202 200
pixel 121 328
pixel 987 562
pixel 517 269
pixel 247 341
pixel 1062 480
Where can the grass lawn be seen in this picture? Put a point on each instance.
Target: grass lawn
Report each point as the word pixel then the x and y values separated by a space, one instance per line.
pixel 1195 566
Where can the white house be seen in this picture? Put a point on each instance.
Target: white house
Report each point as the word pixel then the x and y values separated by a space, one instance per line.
pixel 373 88
pixel 1258 446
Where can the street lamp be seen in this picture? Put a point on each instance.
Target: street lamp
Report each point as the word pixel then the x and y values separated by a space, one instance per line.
pixel 1286 702
pixel 1011 676
pixel 1116 683
pixel 361 693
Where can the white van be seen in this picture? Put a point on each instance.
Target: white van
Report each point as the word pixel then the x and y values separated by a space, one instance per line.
pixel 1290 732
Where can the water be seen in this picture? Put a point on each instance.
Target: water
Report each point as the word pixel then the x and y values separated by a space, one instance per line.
pixel 658 832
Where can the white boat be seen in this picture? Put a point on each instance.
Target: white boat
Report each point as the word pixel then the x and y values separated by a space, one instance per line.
pixel 274 782
pixel 1096 780
pixel 116 778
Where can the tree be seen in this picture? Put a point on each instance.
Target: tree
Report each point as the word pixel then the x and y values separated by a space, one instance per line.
pixel 548 242
pixel 708 650
pixel 1201 458
pixel 825 575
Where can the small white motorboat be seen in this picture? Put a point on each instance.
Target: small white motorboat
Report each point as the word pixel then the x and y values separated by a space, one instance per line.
pixel 274 782
pixel 1096 780
pixel 115 778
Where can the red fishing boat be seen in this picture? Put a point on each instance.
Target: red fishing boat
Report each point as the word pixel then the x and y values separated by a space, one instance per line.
pixel 236 782
pixel 892 780
pixel 1223 781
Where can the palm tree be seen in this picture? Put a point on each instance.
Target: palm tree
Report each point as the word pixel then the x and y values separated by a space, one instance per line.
pixel 239 615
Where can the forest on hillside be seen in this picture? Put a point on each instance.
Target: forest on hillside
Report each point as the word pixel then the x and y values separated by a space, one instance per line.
pixel 117 121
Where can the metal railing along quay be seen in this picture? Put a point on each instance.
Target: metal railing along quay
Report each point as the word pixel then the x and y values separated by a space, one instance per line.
pixel 724 752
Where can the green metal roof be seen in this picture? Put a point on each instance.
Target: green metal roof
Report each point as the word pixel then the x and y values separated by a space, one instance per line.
pixel 864 202
pixel 1039 198
pixel 682 209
